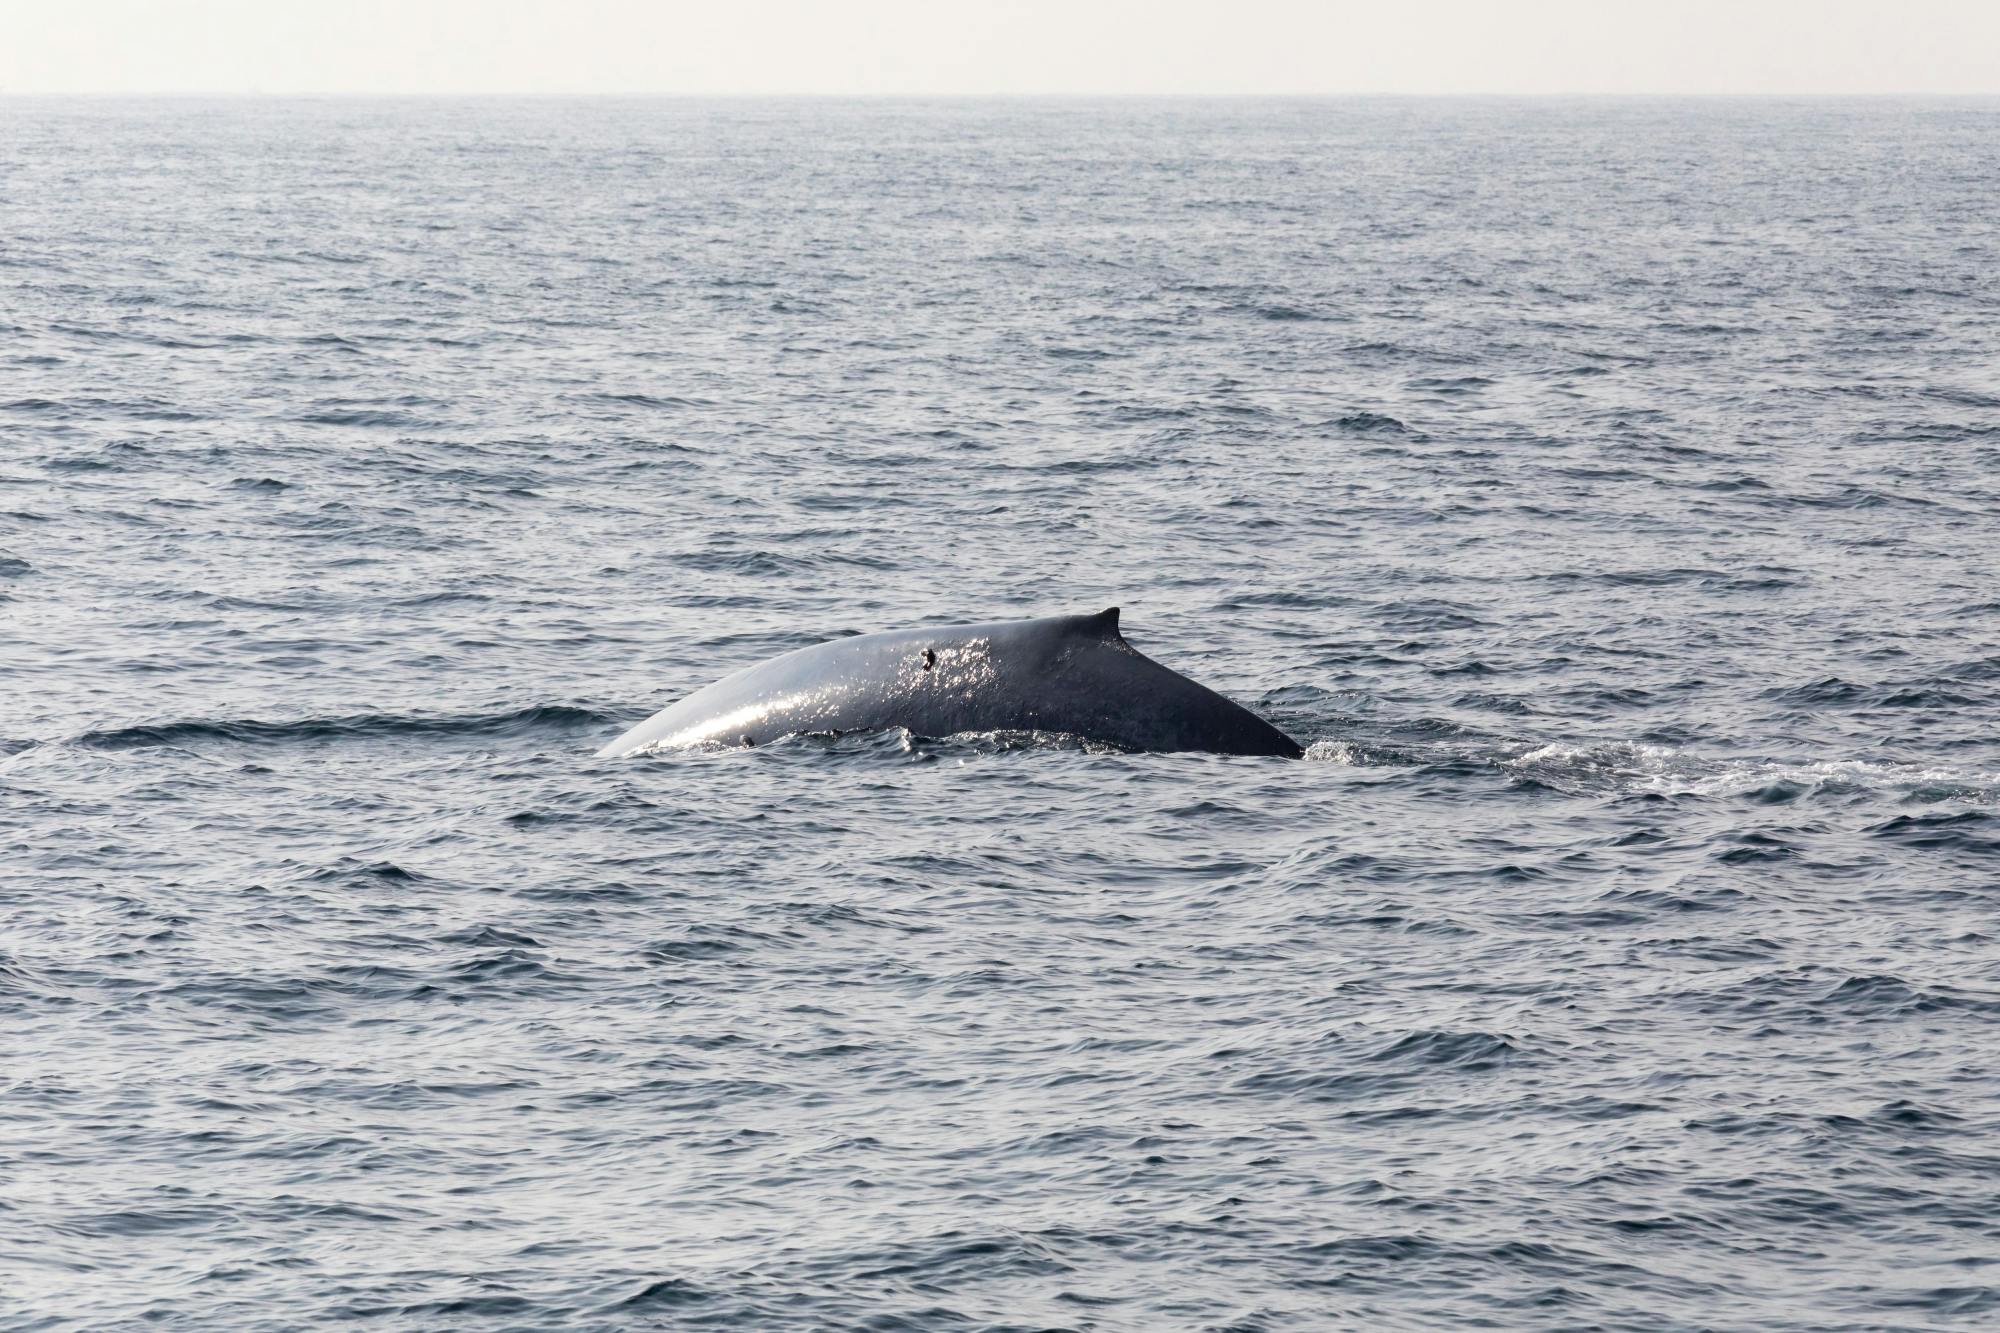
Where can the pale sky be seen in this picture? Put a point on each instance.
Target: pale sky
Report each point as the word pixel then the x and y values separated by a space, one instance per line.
pixel 999 46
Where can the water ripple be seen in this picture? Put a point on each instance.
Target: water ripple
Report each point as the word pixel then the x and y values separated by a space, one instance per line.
pixel 1604 490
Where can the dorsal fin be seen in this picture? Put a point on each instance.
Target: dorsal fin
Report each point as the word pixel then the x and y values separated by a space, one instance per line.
pixel 1103 625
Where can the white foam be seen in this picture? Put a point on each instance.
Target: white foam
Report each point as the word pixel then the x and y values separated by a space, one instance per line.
pixel 1670 771
pixel 1333 752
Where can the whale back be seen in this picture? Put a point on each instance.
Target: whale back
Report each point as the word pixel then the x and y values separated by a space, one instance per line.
pixel 1070 674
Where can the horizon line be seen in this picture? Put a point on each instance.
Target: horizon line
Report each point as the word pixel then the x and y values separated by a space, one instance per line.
pixel 832 95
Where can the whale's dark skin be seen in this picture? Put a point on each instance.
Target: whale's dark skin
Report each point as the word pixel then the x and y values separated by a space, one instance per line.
pixel 1070 674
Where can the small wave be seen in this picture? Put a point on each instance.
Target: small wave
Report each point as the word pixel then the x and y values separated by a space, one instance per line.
pixel 1469 1051
pixel 655 402
pixel 1411 1055
pixel 1276 313
pixel 1452 385
pixel 1371 423
pixel 1937 692
pixel 362 417
pixel 347 869
pixel 1429 614
pixel 703 947
pixel 770 564
pixel 668 1293
pixel 251 731
pixel 1958 832
pixel 1883 995
pixel 391 412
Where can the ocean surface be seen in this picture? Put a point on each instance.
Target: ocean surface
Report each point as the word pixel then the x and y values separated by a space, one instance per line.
pixel 1608 492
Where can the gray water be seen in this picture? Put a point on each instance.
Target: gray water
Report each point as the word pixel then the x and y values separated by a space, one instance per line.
pixel 1605 491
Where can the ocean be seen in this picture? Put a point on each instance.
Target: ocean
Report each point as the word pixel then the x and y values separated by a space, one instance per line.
pixel 1607 492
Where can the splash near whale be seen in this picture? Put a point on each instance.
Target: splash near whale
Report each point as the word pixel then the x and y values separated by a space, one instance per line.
pixel 1073 675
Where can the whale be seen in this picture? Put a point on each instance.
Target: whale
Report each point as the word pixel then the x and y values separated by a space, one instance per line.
pixel 1073 675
